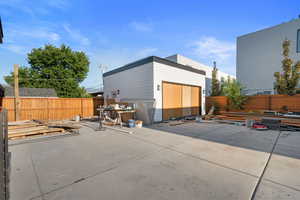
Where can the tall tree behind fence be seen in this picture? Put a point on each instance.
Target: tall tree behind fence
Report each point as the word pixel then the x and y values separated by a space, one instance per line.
pixel 52 108
pixel 260 102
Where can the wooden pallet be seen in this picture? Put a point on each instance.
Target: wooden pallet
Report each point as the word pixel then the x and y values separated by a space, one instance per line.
pixel 243 116
pixel 33 128
pixel 16 127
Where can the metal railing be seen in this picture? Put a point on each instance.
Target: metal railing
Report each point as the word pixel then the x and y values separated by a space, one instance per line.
pixel 4 157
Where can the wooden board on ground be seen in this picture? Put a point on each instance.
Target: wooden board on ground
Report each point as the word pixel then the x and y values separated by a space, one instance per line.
pixel 26 130
pixel 37 132
pixel 31 128
pixel 29 125
pixel 257 117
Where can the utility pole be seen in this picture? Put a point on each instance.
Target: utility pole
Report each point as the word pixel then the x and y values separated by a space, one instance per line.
pixel 102 68
pixel 16 90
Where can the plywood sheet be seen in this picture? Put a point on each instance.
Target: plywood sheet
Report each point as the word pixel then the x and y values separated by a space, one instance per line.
pixel 196 100
pixel 186 100
pixel 172 100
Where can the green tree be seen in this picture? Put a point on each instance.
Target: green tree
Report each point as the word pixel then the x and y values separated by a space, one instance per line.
pixel 222 84
pixel 55 67
pixel 287 81
pixel 215 84
pixel 233 90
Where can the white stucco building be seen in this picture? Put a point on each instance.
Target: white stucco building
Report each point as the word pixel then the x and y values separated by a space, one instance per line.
pixel 177 84
pixel 176 89
pixel 259 55
pixel 208 70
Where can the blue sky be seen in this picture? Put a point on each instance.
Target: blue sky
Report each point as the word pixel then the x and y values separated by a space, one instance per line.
pixel 114 33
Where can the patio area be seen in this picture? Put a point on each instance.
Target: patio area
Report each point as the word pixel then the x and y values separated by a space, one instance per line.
pixel 188 161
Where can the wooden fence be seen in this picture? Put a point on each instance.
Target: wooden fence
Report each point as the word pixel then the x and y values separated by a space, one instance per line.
pixel 260 102
pixel 51 108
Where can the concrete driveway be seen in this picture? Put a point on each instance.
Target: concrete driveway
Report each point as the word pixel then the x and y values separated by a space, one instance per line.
pixel 189 161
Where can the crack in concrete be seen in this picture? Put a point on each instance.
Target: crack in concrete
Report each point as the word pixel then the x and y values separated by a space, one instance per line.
pixel 117 165
pixel 265 168
pixel 37 177
pixel 170 148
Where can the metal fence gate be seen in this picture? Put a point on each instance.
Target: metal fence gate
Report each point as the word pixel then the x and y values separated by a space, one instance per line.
pixel 4 157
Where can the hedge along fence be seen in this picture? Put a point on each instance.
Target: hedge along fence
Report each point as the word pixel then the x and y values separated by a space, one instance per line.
pixel 260 102
pixel 52 108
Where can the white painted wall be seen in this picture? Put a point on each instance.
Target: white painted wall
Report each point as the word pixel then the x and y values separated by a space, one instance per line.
pixel 135 83
pixel 259 55
pixel 187 61
pixel 167 73
pixel 141 83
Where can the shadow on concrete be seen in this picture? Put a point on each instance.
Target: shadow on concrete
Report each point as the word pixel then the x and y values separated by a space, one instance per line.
pixel 238 136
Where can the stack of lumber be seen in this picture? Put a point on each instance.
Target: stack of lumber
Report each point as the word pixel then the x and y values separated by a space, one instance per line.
pixel 239 116
pixel 25 129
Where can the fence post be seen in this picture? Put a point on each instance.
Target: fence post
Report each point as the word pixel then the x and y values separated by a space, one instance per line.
pixel 47 108
pixel 81 108
pixel 270 102
pixel 16 92
pixel 4 157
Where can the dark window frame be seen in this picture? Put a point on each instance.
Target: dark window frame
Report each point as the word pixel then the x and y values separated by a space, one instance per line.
pixel 298 41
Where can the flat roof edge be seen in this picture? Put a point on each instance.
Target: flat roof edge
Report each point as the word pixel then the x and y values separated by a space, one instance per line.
pixel 268 28
pixel 154 59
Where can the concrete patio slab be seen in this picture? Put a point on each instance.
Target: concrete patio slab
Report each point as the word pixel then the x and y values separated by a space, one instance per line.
pixel 244 160
pixel 189 161
pixel 64 161
pixel 24 184
pixel 271 191
pixel 162 175
pixel 285 163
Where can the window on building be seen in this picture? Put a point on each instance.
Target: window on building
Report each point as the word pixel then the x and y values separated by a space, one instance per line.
pixel 298 41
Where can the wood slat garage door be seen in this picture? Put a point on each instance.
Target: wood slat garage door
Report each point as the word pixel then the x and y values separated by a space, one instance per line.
pixel 186 100
pixel 172 101
pixel 180 100
pixel 196 100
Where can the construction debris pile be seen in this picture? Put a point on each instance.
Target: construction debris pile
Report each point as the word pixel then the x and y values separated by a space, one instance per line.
pixel 290 122
pixel 18 130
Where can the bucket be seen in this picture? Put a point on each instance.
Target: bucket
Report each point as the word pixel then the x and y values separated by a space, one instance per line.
pixel 198 119
pixel 249 123
pixel 139 123
pixel 77 118
pixel 131 123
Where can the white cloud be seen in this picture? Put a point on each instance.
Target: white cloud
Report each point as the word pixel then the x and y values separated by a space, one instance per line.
pixel 213 48
pixel 33 8
pixel 21 39
pixel 16 48
pixel 23 34
pixel 61 4
pixel 42 34
pixel 140 26
pixel 209 49
pixel 76 35
pixel 18 5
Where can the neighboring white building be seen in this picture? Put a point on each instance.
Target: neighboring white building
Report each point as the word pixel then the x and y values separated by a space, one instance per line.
pixel 177 89
pixel 259 55
pixel 208 70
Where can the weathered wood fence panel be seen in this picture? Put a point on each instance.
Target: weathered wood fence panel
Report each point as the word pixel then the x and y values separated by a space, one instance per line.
pixel 221 101
pixel 52 108
pixel 260 102
pixel 4 157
